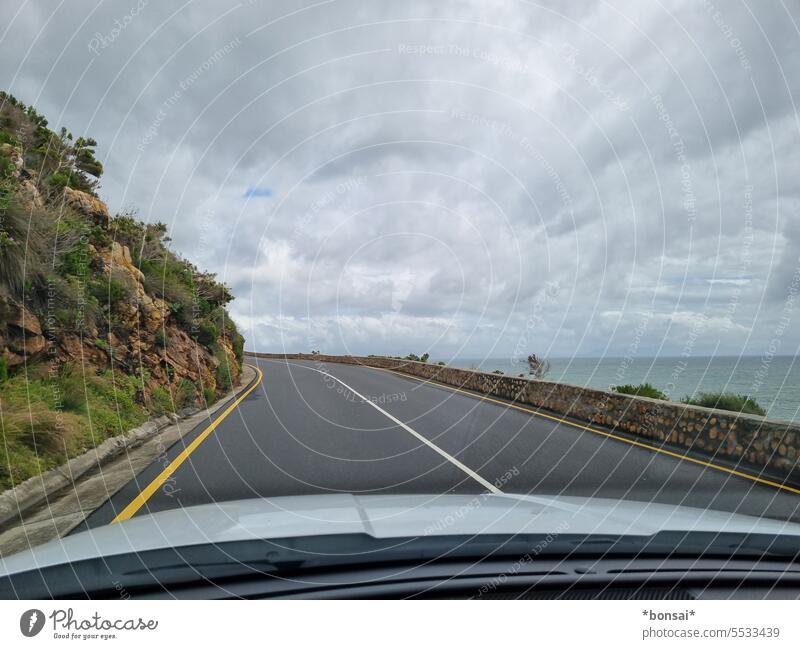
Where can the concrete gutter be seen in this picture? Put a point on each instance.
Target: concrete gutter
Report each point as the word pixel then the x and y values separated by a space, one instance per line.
pixel 49 505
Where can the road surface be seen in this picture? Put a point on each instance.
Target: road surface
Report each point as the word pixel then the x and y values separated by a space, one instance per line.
pixel 312 428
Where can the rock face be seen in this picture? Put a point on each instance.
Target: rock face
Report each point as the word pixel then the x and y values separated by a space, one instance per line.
pixel 146 316
pixel 13 153
pixel 144 337
pixel 88 205
pixel 20 332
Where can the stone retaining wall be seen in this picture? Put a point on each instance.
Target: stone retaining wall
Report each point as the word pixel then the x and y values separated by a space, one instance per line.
pixel 756 444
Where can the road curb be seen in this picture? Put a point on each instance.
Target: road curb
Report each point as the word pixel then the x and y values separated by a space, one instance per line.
pixel 15 503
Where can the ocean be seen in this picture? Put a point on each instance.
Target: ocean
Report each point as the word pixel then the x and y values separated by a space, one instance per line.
pixel 774 383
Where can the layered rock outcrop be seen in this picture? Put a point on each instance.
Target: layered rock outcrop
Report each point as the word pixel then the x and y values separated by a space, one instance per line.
pixel 142 334
pixel 20 332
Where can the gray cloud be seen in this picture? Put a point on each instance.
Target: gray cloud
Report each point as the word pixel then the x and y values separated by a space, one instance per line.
pixel 433 167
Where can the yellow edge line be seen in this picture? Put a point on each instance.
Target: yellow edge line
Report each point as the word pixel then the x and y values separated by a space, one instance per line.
pixel 655 449
pixel 136 504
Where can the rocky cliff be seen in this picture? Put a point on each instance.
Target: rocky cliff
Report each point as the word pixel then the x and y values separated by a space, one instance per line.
pixel 95 309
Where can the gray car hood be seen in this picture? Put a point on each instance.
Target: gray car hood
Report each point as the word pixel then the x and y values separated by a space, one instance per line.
pixel 385 517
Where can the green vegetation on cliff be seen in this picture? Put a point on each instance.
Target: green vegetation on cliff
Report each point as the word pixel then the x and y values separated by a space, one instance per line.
pixel 101 324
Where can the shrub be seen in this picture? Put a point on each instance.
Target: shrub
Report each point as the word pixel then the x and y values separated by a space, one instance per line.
pixel 109 293
pixel 3 370
pixel 726 401
pixel 76 259
pixel 8 138
pixel 61 179
pixel 498 372
pixel 161 401
pixel 206 333
pixel 12 263
pixel 115 402
pixel 6 166
pixel 223 377
pixel 71 307
pixel 44 431
pixel 209 396
pixel 117 292
pixel 161 339
pixel 237 340
pixel 185 394
pixel 70 390
pixel 641 390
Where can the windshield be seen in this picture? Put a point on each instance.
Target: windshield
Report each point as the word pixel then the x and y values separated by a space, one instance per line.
pixel 470 278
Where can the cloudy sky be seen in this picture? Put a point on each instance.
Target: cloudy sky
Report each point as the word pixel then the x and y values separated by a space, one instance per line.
pixel 467 178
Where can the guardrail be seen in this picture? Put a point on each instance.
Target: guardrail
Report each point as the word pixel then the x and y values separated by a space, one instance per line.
pixel 765 447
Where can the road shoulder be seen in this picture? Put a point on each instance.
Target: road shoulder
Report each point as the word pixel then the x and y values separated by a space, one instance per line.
pixel 70 507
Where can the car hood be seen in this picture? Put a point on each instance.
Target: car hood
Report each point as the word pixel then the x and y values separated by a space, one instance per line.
pixel 385 517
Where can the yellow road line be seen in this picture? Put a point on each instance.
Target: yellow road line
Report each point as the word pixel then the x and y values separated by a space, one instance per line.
pixel 655 449
pixel 136 504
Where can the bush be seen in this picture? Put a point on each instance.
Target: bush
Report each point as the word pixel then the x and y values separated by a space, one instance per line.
pixel 61 179
pixel 8 138
pixel 641 390
pixel 161 339
pixel 726 401
pixel 43 431
pixel 185 394
pixel 71 307
pixel 109 293
pixel 161 401
pixel 70 391
pixel 237 341
pixel 115 402
pixel 3 370
pixel 206 333
pixel 76 259
pixel 223 377
pixel 6 166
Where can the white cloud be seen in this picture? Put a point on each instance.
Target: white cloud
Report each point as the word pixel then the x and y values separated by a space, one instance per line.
pixel 426 199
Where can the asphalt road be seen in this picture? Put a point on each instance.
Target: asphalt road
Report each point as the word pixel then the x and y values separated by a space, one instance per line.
pixel 307 430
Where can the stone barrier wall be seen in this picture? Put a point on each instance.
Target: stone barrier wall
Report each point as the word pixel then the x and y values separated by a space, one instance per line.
pixel 756 444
